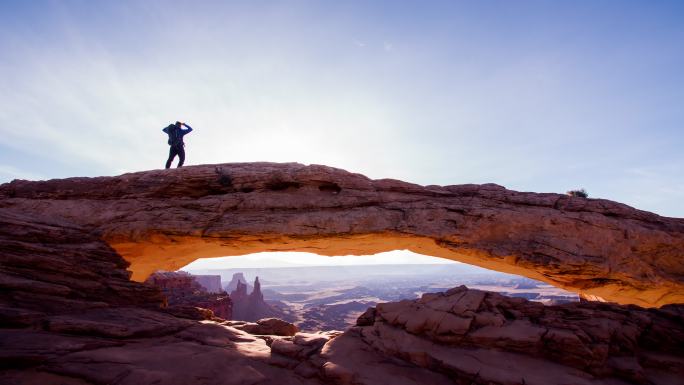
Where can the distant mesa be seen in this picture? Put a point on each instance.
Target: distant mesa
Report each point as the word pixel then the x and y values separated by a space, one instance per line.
pixel 175 283
pixel 526 284
pixel 233 284
pixel 182 289
pixel 212 283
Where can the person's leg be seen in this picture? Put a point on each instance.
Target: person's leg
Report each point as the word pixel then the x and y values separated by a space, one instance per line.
pixel 172 154
pixel 181 155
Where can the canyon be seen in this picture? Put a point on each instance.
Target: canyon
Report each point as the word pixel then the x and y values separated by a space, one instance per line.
pixel 318 298
pixel 74 309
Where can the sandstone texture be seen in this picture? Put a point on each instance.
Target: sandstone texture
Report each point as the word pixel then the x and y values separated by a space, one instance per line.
pixel 85 323
pixel 69 315
pixel 49 267
pixel 183 292
pixel 165 219
pixel 266 326
pixel 474 337
pixel 490 338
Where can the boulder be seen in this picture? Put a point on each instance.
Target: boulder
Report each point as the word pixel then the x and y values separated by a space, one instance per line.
pixel 269 326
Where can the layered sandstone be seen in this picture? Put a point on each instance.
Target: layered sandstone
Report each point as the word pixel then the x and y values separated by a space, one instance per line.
pixel 474 337
pixel 49 266
pixel 266 326
pixel 212 283
pixel 165 219
pixel 182 290
pixel 475 334
pixel 69 315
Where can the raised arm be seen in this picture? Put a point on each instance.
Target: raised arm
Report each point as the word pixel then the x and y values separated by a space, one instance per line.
pixel 166 129
pixel 188 129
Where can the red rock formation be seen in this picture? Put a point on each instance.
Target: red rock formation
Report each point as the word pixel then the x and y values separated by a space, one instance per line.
pixel 175 284
pixel 49 266
pixel 70 316
pixel 167 218
pixel 266 326
pixel 256 294
pixel 474 337
pixel 250 307
pixel 182 289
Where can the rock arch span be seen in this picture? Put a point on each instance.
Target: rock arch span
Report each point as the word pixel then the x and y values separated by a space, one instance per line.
pixel 164 219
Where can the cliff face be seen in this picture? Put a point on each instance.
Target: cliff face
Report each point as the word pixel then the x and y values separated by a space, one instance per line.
pixel 50 267
pixel 212 283
pixel 182 289
pixel 175 284
pixel 167 218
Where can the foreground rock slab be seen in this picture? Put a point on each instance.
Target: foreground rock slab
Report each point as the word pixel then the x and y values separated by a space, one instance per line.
pixel 474 337
pixel 164 219
pixel 491 338
pixel 200 353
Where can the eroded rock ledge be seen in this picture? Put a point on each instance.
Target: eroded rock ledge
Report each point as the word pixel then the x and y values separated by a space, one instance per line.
pixel 475 337
pixel 475 334
pixel 164 219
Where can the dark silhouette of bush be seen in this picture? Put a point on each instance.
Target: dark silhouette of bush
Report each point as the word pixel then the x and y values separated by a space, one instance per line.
pixel 581 193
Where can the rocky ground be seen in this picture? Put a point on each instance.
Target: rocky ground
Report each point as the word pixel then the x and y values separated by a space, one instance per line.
pixel 490 338
pixel 459 337
pixel 333 317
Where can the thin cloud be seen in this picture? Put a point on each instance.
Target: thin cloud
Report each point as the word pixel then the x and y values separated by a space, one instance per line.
pixel 446 108
pixel 8 173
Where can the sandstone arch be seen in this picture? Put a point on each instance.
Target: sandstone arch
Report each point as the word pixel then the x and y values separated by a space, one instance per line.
pixel 164 219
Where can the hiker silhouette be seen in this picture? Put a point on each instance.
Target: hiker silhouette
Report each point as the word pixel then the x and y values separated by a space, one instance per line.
pixel 176 145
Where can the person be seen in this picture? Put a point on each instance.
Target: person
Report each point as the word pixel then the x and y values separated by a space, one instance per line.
pixel 177 147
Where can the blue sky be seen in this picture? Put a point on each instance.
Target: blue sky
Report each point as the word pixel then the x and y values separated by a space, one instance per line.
pixel 533 95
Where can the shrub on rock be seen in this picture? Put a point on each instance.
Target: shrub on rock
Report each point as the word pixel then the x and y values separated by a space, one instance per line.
pixel 581 193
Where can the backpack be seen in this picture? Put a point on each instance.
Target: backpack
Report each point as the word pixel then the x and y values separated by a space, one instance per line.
pixel 174 134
